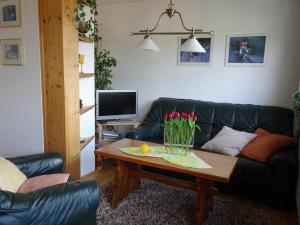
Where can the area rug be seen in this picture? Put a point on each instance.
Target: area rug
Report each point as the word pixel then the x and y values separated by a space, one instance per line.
pixel 159 204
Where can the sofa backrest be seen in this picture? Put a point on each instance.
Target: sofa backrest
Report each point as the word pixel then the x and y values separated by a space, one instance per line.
pixel 213 116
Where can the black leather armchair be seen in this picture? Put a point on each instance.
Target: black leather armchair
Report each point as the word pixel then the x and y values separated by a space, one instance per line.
pixel 73 203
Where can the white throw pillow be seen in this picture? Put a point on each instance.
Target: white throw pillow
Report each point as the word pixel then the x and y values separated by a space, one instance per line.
pixel 11 178
pixel 229 141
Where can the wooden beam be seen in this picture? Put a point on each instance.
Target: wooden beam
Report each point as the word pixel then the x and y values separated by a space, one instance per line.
pixel 60 78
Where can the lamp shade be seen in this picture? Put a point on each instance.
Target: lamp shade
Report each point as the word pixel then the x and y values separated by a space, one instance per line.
pixel 148 45
pixel 192 45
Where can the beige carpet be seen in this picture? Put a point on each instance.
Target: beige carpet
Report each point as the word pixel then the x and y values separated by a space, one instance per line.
pixel 159 204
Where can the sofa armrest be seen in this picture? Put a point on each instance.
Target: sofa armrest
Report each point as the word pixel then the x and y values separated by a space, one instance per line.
pixel 62 204
pixel 35 165
pixel 142 132
pixel 10 202
pixel 284 167
pixel 139 133
pixel 151 127
pixel 284 172
pixel 285 157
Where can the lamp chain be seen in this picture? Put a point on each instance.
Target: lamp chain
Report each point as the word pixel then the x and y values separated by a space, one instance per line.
pixel 171 5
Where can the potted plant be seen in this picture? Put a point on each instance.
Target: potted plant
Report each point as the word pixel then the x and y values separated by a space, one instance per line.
pixel 296 100
pixel 103 69
pixel 87 25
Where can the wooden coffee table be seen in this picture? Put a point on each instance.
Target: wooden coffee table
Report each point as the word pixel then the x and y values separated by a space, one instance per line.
pixel 129 174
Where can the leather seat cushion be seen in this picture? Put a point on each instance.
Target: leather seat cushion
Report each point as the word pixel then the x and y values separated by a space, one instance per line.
pixel 43 181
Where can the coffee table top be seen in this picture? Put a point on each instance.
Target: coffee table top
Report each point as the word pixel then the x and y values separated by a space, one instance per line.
pixel 222 166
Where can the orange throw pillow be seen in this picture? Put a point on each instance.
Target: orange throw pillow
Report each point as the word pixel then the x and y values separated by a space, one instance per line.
pixel 265 144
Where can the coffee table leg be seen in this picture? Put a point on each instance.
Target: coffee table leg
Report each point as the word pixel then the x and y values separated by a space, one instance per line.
pixel 134 178
pixel 204 200
pixel 124 183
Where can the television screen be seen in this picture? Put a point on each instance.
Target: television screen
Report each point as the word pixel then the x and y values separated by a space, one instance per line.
pixel 116 104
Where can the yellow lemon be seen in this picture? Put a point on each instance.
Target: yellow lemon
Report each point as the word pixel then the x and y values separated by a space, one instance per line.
pixel 144 148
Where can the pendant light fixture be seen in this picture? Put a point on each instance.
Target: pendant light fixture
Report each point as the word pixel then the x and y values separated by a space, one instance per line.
pixel 191 44
pixel 148 44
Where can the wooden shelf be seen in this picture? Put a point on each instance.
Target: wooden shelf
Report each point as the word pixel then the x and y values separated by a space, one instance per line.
pixel 85 39
pixel 86 75
pixel 86 109
pixel 119 123
pixel 86 142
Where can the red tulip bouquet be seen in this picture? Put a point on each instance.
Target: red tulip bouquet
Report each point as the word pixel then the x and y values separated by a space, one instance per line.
pixel 179 130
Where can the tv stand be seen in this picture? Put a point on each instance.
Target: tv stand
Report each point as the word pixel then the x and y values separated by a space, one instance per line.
pixel 101 124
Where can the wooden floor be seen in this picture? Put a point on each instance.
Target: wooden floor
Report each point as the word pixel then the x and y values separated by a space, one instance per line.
pixel 107 174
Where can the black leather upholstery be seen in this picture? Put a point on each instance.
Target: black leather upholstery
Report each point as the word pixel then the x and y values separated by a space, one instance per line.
pixel 273 182
pixel 74 203
pixel 35 165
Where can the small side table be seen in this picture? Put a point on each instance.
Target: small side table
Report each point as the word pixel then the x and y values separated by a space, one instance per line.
pixel 101 124
pixel 99 132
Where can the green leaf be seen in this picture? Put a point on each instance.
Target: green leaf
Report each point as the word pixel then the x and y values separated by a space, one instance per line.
pixel 191 123
pixel 296 100
pixel 103 73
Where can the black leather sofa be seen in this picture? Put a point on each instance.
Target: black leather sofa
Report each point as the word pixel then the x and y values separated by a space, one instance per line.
pixel 273 182
pixel 74 203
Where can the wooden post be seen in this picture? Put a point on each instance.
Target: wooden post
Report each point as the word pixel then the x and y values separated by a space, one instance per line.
pixel 60 78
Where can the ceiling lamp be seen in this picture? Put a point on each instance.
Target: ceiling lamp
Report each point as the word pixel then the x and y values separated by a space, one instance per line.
pixel 148 44
pixel 191 44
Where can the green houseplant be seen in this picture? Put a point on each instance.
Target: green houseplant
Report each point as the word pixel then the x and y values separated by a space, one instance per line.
pixel 87 25
pixel 103 69
pixel 296 100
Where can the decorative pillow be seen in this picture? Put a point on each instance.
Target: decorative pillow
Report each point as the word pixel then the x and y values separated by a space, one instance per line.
pixel 229 141
pixel 39 182
pixel 265 144
pixel 11 178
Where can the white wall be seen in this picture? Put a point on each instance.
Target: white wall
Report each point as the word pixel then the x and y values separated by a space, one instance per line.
pixel 157 75
pixel 21 120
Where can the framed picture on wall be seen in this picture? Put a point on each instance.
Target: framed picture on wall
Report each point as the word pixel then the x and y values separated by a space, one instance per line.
pixel 12 52
pixel 10 13
pixel 196 59
pixel 246 50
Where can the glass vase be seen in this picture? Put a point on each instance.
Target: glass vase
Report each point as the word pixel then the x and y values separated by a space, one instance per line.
pixel 178 141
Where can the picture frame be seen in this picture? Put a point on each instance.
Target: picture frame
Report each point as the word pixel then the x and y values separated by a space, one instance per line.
pixel 10 13
pixel 12 52
pixel 196 59
pixel 247 50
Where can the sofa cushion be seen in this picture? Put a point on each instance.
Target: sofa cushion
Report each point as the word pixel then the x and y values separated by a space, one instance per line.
pixel 39 182
pixel 11 178
pixel 229 141
pixel 265 144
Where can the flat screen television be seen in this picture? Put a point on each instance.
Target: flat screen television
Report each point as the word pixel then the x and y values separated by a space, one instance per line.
pixel 116 104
